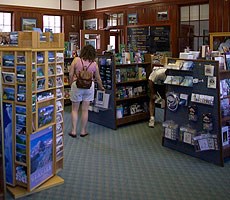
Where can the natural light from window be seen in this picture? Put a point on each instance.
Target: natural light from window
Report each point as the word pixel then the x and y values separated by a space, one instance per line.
pixel 52 22
pixel 5 22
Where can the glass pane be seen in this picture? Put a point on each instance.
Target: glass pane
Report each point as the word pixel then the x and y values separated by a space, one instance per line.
pixel 204 28
pixel 195 27
pixel 58 21
pixel 194 12
pixel 51 21
pixel 120 19
pixel 204 12
pixel 5 22
pixel 112 41
pixel 184 13
pixel 185 29
pixel 45 21
pixel 196 43
pixel 183 44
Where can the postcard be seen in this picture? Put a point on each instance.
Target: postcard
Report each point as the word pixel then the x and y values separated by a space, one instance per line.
pixel 8 77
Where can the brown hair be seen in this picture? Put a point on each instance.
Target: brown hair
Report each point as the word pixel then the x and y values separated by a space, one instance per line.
pixel 88 52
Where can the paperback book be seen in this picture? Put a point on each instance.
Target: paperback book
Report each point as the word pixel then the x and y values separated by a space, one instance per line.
pixel 21 73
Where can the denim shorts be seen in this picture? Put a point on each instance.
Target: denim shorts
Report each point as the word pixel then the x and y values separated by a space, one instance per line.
pixel 78 94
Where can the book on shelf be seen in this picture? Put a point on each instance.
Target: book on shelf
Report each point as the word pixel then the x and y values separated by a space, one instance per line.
pixel 21 93
pixel 59 69
pixel 59 57
pixel 21 73
pixel 45 115
pixel 8 77
pixel 8 93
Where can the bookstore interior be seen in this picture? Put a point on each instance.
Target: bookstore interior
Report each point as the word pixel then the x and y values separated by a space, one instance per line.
pixel 34 85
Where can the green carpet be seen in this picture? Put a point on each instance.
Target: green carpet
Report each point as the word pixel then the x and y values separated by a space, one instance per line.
pixel 131 164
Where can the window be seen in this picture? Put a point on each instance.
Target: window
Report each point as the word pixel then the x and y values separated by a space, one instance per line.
pixel 115 19
pixel 194 26
pixel 52 22
pixel 5 22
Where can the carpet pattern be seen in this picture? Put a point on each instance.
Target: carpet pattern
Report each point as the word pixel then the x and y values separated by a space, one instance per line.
pixel 131 164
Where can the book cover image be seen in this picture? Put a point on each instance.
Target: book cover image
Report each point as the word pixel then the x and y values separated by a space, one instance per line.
pixel 41 156
pixel 21 93
pixel 8 94
pixel 45 115
pixel 21 119
pixel 8 77
pixel 59 118
pixel 14 38
pixel 20 109
pixel 58 128
pixel 8 138
pixel 21 174
pixel 41 84
pixel 21 73
pixel 20 129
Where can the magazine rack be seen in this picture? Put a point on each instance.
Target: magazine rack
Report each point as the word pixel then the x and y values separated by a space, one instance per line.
pixel 33 103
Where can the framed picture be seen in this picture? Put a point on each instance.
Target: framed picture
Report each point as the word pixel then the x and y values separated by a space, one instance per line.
pixel 162 15
pixel 132 18
pixel 92 42
pixel 28 24
pixel 90 24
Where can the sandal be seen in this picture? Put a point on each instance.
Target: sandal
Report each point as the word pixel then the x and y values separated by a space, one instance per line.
pixel 72 135
pixel 83 135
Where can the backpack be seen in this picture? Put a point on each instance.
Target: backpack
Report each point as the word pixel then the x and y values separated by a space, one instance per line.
pixel 84 77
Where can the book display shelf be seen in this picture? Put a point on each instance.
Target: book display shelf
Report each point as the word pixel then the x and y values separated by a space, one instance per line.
pixel 131 89
pixel 127 86
pixel 67 87
pixel 196 117
pixel 102 110
pixel 33 102
pixel 2 168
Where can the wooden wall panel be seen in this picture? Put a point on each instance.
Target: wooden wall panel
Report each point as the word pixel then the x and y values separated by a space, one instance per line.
pixel 219 15
pixel 19 12
pixel 146 11
pixel 226 15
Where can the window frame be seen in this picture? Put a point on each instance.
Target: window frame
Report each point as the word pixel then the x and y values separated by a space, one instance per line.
pixel 52 27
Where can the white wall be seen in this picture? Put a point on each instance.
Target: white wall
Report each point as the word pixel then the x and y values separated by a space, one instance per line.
pixel 53 4
pixel 90 4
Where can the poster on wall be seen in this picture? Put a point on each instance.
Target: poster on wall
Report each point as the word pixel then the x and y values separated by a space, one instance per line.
pixel 8 142
pixel 41 156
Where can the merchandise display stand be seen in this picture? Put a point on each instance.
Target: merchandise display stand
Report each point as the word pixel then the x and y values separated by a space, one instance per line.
pixel 2 163
pixel 19 192
pixel 131 92
pixel 194 121
pixel 101 113
pixel 33 102
pixel 127 86
pixel 67 64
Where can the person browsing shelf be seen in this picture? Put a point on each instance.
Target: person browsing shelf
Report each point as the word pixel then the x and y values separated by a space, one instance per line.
pixel 157 75
pixel 79 95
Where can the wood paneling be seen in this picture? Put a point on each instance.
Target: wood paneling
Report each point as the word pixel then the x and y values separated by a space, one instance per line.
pixel 146 12
pixel 69 17
pixel 219 15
